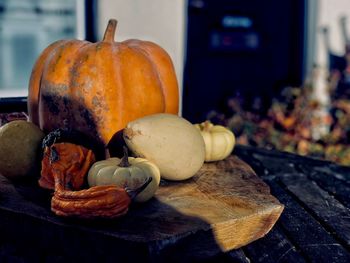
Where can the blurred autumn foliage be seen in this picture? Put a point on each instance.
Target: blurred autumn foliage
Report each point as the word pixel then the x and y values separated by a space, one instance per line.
pixel 294 122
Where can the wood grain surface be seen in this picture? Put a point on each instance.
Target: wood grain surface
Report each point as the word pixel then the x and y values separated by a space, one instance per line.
pixel 229 198
pixel 314 225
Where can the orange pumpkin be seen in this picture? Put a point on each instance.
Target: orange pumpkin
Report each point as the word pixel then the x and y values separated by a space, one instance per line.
pixel 97 88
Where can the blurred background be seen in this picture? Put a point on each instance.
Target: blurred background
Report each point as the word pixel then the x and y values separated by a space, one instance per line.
pixel 276 72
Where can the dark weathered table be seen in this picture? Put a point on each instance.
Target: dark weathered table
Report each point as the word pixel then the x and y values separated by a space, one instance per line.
pixel 314 226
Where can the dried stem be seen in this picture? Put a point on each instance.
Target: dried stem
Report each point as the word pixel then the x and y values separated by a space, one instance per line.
pixel 125 160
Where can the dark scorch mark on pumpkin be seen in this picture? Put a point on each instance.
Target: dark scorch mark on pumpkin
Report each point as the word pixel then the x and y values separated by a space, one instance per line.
pixel 53 97
pixel 52 102
pixel 88 118
pixel 65 101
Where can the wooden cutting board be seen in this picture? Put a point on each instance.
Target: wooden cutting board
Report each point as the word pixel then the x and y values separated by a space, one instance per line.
pixel 224 206
pixel 226 197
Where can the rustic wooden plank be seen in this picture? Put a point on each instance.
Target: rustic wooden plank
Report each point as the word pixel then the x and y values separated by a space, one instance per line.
pixel 302 228
pixel 233 256
pixel 305 232
pixel 331 177
pixel 274 162
pixel 274 247
pixel 245 154
pixel 334 184
pixel 279 156
pixel 271 165
pixel 236 255
pixel 224 206
pixel 334 216
pixel 341 173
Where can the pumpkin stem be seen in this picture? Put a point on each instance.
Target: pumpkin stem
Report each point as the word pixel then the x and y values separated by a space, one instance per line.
pixel 110 31
pixel 125 162
pixel 207 126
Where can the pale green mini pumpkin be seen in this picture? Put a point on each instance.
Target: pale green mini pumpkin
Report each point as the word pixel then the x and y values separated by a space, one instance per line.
pixel 127 172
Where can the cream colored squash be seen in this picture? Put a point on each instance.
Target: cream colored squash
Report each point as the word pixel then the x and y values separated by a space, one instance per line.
pixel 131 174
pixel 219 141
pixel 169 141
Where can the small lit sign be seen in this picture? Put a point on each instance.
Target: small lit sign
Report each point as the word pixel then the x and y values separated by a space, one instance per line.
pixel 230 21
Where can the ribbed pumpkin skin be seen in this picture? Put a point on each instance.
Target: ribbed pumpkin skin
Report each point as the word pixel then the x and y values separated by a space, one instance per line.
pixel 97 88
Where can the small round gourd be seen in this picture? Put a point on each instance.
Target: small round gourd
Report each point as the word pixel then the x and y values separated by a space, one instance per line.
pixel 20 149
pixel 128 172
pixel 219 141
